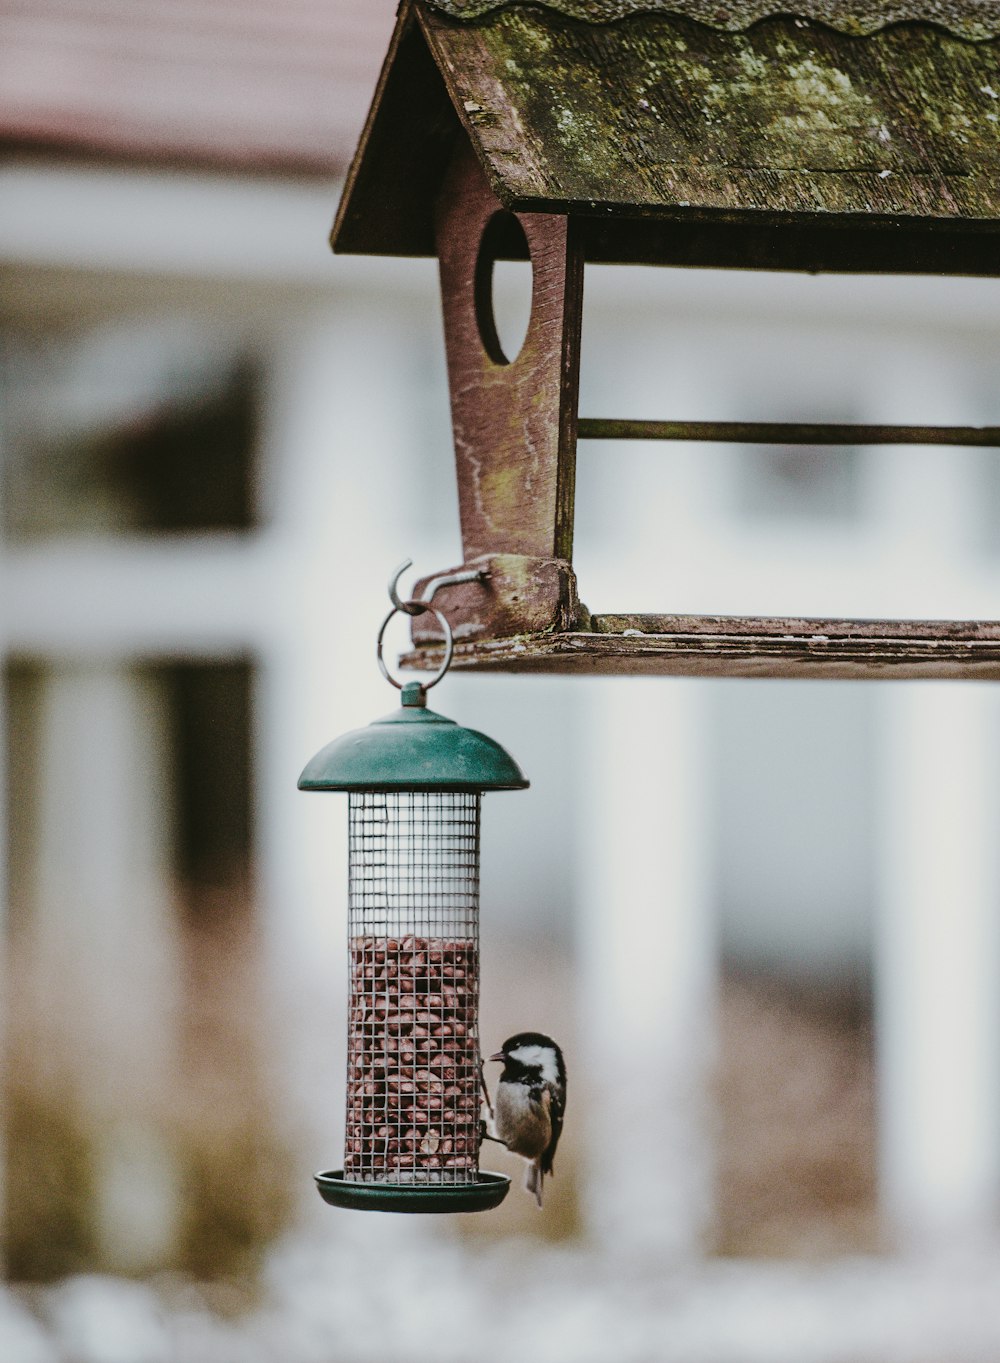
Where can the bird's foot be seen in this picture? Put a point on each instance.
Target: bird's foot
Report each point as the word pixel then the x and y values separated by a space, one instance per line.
pixel 484 1135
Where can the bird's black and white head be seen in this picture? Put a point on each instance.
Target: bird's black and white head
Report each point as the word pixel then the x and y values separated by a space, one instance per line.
pixel 532 1058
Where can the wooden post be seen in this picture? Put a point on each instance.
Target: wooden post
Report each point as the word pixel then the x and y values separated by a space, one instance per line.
pixel 514 418
pixel 938 960
pixel 648 970
pixel 97 957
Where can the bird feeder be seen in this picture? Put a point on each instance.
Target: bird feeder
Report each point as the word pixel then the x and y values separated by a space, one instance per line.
pixel 414 782
pixel 815 135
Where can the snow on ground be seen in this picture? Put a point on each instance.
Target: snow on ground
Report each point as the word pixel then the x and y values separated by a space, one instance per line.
pixel 386 1290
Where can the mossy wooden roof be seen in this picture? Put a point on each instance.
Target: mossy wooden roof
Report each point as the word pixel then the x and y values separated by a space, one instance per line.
pixel 975 19
pixel 658 124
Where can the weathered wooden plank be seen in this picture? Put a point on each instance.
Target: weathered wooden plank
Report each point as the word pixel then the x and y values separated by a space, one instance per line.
pixel 719 646
pixel 785 433
pixel 514 420
pixel 782 628
pixel 658 113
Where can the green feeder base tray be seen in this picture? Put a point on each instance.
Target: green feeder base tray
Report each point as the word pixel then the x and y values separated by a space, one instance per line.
pixel 488 1191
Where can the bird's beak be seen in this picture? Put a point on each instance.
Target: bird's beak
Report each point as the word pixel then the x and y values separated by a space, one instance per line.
pixel 499 1056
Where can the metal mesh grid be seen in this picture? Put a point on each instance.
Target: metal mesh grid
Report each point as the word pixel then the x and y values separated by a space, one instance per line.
pixel 413 1027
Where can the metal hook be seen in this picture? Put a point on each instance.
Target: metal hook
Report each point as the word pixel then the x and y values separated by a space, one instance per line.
pixel 417 606
pixel 405 606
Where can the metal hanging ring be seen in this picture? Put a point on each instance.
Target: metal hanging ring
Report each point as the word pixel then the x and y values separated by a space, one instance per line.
pixel 417 608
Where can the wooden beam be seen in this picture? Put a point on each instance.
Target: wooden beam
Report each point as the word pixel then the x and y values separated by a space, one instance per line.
pixel 724 646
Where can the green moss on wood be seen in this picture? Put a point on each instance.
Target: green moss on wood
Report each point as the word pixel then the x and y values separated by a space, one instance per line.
pixel 659 113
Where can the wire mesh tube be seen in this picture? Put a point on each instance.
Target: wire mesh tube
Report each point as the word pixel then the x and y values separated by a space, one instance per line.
pixel 413 1027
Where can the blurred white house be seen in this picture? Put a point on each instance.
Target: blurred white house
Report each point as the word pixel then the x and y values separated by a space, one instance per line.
pixel 762 914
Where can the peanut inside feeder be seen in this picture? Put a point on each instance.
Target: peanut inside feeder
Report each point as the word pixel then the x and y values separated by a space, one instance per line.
pixel 415 781
pixel 413 1032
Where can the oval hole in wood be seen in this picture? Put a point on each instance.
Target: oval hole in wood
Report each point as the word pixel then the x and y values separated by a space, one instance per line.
pixel 504 284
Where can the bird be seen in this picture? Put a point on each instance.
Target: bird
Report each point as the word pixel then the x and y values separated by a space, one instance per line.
pixel 531 1103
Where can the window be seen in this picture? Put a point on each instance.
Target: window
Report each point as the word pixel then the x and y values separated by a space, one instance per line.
pixel 129 428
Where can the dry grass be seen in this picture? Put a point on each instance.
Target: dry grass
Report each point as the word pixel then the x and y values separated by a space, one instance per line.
pixel 214 1118
pixel 795 1154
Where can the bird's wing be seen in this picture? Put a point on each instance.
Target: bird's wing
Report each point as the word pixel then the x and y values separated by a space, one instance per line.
pixel 555 1110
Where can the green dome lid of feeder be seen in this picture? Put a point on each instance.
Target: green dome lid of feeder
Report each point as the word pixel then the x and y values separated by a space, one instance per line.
pixel 413 749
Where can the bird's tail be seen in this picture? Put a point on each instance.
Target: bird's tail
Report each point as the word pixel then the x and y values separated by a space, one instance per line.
pixel 533 1177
